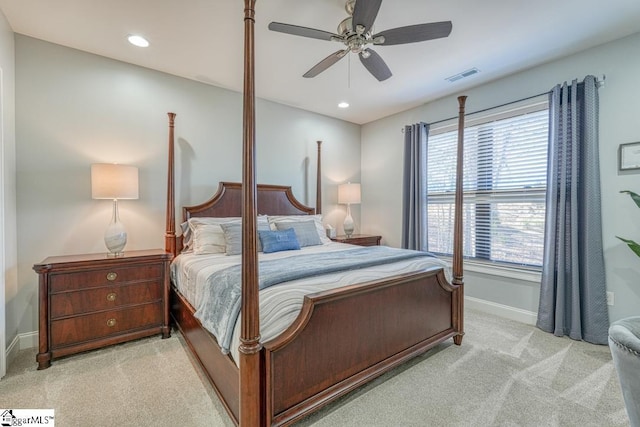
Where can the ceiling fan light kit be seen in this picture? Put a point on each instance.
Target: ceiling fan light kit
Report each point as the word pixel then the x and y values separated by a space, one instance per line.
pixel 355 33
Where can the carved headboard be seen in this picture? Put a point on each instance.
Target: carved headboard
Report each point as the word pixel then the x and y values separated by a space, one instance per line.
pixel 272 200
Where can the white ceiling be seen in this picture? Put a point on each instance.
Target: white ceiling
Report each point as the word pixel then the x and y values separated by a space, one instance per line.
pixel 203 40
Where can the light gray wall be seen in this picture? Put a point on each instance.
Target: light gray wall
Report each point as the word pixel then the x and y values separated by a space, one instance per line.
pixel 74 109
pixel 8 251
pixel 382 151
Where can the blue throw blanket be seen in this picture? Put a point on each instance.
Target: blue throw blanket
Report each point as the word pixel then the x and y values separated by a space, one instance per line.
pixel 220 306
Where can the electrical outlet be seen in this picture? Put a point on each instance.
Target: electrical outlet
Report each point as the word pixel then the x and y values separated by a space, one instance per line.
pixel 609 298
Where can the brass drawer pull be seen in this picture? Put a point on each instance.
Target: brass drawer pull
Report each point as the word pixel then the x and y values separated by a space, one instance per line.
pixel 111 323
pixel 111 296
pixel 112 276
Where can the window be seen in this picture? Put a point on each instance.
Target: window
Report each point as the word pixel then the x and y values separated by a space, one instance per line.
pixel 505 173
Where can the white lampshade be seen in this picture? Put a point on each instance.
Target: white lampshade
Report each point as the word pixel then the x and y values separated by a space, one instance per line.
pixel 112 181
pixel 349 193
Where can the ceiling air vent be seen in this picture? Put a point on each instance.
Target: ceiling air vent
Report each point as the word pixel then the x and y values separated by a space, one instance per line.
pixel 462 75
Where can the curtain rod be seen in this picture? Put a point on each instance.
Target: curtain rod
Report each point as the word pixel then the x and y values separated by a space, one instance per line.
pixel 599 84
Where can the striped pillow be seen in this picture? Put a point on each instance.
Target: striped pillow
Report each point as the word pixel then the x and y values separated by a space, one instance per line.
pixel 305 232
pixel 317 219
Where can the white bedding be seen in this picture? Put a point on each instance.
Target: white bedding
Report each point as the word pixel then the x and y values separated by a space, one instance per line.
pixel 280 305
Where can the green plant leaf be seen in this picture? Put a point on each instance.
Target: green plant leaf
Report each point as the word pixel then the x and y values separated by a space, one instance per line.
pixel 635 247
pixel 634 196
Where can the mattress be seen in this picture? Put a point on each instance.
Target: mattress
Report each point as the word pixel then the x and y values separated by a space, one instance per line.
pixel 281 304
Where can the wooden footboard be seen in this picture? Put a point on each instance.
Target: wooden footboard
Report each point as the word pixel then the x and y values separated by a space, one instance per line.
pixel 344 338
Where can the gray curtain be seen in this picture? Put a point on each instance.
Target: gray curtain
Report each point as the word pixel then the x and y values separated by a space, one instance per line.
pixel 573 290
pixel 414 197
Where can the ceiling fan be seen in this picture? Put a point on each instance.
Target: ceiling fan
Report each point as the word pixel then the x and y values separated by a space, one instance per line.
pixel 355 32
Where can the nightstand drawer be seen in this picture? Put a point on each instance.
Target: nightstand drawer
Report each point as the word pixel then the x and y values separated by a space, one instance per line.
pixel 95 278
pixel 105 298
pixel 77 329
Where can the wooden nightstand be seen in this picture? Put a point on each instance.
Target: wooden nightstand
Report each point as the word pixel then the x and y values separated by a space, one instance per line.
pixel 359 239
pixel 91 301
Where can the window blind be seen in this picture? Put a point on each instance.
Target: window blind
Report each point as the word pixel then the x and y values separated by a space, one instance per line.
pixel 505 169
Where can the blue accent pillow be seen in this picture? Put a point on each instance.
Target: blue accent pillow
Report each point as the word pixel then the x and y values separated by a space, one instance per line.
pixel 280 240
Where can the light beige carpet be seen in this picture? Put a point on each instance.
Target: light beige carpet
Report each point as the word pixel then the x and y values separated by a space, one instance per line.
pixel 504 374
pixel 149 382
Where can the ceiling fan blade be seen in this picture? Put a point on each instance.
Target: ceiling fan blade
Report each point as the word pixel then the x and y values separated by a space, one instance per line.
pixel 297 30
pixel 414 33
pixel 365 12
pixel 375 64
pixel 326 63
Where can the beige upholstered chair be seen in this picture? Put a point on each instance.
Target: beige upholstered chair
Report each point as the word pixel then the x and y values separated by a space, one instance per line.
pixel 624 342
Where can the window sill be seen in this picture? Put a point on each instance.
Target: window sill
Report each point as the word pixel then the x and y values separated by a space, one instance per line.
pixel 502 271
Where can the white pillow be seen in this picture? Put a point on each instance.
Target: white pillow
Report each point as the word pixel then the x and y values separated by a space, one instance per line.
pixel 317 219
pixel 207 235
pixel 187 237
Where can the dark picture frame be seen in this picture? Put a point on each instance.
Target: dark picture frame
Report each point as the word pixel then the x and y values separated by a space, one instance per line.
pixel 629 156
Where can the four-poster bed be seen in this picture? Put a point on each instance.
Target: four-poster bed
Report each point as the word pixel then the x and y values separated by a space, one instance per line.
pixel 316 359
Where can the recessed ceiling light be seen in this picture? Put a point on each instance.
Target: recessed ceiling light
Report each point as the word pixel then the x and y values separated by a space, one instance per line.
pixel 138 41
pixel 343 105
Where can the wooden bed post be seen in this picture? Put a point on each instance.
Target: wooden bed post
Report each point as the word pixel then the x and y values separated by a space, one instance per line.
pixel 319 181
pixel 170 233
pixel 251 393
pixel 457 269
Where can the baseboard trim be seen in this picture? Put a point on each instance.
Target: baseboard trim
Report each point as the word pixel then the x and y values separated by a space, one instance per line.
pixel 21 342
pixel 12 351
pixel 28 340
pixel 508 312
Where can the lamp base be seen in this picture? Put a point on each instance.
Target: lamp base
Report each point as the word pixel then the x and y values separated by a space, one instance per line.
pixel 115 237
pixel 115 254
pixel 348 225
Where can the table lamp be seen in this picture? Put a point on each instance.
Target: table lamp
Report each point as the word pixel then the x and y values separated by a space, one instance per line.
pixel 347 194
pixel 113 181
